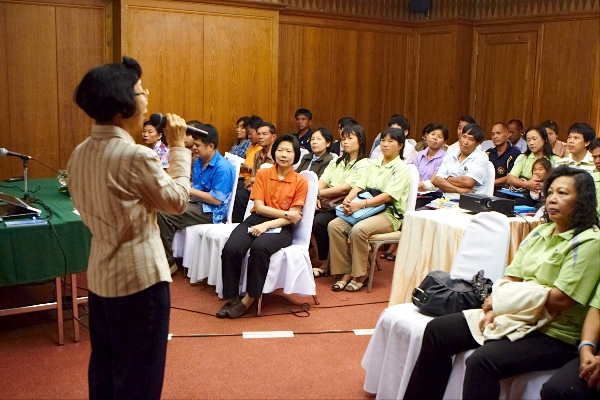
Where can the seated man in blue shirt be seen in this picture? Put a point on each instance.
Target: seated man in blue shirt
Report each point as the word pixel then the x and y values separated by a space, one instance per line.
pixel 503 155
pixel 212 184
pixel 464 171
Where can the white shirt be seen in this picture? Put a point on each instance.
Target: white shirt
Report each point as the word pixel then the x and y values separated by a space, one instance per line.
pixel 475 166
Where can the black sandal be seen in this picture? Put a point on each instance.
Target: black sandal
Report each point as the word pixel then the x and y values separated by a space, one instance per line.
pixel 385 255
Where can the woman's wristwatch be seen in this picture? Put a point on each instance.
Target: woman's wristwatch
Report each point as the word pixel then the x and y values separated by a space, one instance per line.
pixel 285 214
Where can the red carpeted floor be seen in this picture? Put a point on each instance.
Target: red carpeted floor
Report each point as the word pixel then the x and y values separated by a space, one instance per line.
pixel 314 363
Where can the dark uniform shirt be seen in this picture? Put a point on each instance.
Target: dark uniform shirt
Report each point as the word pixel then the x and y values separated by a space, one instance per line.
pixel 503 163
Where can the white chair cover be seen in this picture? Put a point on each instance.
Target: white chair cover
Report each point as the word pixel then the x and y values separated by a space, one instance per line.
pixel 290 268
pixel 486 144
pixel 303 152
pixel 396 342
pixel 184 239
pixel 491 177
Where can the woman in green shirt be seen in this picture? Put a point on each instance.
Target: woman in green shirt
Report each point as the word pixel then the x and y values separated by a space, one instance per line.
pixel 538 146
pixel 389 175
pixel 561 255
pixel 337 180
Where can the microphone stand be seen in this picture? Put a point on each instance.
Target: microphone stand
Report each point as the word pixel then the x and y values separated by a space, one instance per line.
pixel 25 190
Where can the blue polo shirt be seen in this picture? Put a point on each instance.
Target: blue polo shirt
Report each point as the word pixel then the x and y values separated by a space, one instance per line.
pixel 503 163
pixel 304 140
pixel 217 180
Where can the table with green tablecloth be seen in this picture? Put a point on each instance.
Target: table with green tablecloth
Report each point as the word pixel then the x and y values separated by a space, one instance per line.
pixel 35 253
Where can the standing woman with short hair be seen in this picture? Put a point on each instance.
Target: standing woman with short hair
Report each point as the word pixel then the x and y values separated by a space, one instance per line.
pixel 118 186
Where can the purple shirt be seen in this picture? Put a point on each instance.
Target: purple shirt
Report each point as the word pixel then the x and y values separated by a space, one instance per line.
pixel 428 167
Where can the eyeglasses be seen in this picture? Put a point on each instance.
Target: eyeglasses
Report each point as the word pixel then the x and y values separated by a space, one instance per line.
pixel 145 93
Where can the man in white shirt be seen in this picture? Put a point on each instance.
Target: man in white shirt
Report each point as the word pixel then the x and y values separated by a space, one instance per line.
pixel 464 171
pixel 578 142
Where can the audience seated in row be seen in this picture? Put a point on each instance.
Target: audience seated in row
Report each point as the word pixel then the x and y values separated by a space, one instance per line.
pixel 264 134
pixel 154 138
pixel 318 159
pixel 278 194
pixel 562 256
pixel 337 180
pixel 242 142
pixel 303 121
pixel 349 246
pixel 212 183
pixel 396 121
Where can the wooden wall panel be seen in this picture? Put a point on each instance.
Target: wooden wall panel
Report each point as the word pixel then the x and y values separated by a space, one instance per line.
pixel 80 47
pixel 505 76
pixel 172 62
pixel 238 72
pixel 344 77
pixel 565 93
pixel 435 86
pixel 32 85
pixel 395 75
pixel 5 162
pixel 317 51
pixel 290 75
pixel 203 61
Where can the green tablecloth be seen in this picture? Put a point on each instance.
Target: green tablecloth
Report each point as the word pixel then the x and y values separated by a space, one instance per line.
pixel 32 253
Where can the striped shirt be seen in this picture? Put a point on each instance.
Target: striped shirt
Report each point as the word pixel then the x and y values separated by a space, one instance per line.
pixel 117 187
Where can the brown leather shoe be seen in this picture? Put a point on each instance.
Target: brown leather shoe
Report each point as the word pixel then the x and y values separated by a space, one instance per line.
pixel 222 313
pixel 237 310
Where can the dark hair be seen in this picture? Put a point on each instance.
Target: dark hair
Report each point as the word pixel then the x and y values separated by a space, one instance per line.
pixel 160 130
pixel 550 124
pixel 583 215
pixel 401 121
pixel 467 118
pixel 502 124
pixel 585 130
pixel 303 111
pixel 287 138
pixel 594 144
pixel 396 134
pixel 475 131
pixel 242 119
pixel 359 132
pixel 254 121
pixel 269 125
pixel 107 91
pixel 547 148
pixel 346 121
pixel 326 133
pixel 517 122
pixel 435 126
pixel 544 163
pixel 195 123
pixel 212 137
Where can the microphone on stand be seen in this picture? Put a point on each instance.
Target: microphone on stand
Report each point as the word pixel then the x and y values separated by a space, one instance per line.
pixel 4 152
pixel 160 121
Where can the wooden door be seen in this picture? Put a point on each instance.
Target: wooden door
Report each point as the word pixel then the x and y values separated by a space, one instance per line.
pixel 504 76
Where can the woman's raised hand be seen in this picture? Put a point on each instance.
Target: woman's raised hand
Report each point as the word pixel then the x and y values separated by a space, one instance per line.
pixel 175 130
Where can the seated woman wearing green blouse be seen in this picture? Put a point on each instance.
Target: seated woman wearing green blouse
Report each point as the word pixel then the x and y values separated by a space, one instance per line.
pixel 538 146
pixel 388 174
pixel 561 255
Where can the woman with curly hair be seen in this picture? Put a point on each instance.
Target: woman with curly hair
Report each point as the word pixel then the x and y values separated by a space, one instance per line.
pixel 562 256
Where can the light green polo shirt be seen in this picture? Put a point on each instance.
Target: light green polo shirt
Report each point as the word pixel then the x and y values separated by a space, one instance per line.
pixel 393 179
pixel 596 299
pixel 587 164
pixel 336 173
pixel 571 264
pixel 596 176
pixel 523 167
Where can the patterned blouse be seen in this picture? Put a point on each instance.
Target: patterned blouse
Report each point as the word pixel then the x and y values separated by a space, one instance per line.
pixel 163 153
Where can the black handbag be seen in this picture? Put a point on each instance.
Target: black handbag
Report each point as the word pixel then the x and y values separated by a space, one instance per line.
pixel 439 294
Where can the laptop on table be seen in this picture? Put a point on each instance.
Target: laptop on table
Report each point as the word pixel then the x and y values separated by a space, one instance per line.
pixel 12 207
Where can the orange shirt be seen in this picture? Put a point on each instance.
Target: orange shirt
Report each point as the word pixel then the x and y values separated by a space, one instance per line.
pixel 249 161
pixel 280 194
